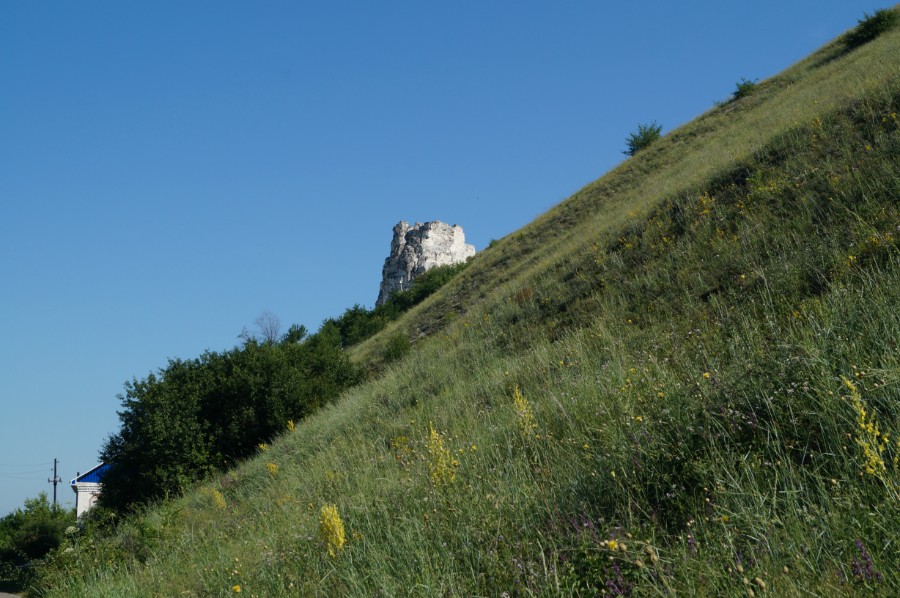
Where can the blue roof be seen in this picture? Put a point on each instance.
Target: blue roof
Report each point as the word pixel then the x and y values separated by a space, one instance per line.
pixel 92 476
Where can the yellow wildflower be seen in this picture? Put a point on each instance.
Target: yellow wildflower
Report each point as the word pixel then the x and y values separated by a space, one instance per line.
pixel 442 465
pixel 262 446
pixel 272 468
pixel 290 425
pixel 869 438
pixel 524 415
pixel 236 588
pixel 331 529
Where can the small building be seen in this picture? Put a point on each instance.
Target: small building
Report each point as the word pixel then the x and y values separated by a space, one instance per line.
pixel 87 486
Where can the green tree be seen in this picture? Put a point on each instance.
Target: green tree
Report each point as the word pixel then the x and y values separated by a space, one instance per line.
pixel 644 136
pixel 198 416
pixel 29 534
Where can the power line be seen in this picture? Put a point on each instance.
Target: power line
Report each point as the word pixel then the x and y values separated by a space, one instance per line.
pixel 41 464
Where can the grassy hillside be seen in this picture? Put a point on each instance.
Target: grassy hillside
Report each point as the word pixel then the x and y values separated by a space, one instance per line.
pixel 682 379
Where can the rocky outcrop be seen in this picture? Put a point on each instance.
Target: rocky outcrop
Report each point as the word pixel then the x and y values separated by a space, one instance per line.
pixel 418 248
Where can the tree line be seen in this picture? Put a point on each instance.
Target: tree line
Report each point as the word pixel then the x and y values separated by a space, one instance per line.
pixel 198 416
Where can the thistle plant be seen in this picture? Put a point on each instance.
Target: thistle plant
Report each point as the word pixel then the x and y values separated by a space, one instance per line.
pixel 331 529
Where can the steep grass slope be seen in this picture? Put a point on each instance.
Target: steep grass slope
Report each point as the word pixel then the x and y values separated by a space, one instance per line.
pixel 683 379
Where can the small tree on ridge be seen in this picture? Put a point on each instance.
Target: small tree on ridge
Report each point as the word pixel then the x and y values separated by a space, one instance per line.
pixel 645 135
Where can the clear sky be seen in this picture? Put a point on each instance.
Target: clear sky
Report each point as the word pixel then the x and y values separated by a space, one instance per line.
pixel 169 170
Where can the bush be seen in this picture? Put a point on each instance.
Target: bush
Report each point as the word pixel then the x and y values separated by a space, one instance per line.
pixel 645 135
pixel 870 27
pixel 744 88
pixel 397 347
pixel 27 535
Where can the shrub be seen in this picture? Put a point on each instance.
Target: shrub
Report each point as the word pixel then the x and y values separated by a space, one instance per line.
pixel 27 535
pixel 870 27
pixel 744 88
pixel 397 347
pixel 645 135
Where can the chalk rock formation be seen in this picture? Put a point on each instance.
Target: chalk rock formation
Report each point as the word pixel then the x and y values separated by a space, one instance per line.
pixel 417 248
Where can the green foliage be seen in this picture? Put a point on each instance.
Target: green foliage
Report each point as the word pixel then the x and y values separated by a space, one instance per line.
pixel 295 334
pixel 357 323
pixel 644 136
pixel 423 286
pixel 28 535
pixel 744 88
pixel 397 347
pixel 198 416
pixel 870 27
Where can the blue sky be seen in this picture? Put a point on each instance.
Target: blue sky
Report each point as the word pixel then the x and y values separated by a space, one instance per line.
pixel 169 170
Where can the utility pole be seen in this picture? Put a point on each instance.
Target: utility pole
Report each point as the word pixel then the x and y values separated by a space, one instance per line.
pixel 56 480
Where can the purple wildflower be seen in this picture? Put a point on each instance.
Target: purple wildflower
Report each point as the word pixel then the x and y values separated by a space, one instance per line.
pixel 864 567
